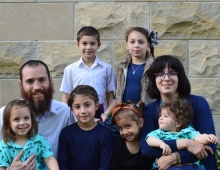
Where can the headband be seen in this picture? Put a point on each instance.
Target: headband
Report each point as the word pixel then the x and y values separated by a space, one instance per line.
pixel 153 36
pixel 124 106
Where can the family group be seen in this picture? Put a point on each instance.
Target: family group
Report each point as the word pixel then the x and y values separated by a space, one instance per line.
pixel 144 118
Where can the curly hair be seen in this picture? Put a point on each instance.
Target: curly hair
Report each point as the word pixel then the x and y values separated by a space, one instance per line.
pixel 182 110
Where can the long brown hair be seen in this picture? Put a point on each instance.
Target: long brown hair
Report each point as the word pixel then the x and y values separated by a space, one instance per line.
pixel 7 133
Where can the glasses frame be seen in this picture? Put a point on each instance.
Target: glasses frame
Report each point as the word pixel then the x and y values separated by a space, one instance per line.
pixel 164 75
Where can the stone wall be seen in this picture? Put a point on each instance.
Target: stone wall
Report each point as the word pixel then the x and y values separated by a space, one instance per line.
pixel 46 30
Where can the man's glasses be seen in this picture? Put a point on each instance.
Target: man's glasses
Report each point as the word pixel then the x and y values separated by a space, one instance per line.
pixel 162 75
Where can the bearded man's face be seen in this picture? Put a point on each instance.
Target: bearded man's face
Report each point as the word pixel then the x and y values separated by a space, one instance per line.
pixel 37 88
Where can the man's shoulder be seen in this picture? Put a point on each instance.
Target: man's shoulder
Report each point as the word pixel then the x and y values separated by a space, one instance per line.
pixel 2 109
pixel 57 105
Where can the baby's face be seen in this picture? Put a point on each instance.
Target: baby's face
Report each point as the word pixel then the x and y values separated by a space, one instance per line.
pixel 167 121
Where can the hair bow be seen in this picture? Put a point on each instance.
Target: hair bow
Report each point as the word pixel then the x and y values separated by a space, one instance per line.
pixel 123 106
pixel 153 35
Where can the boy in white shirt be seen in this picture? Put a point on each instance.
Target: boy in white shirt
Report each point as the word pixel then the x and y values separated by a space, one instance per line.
pixel 90 70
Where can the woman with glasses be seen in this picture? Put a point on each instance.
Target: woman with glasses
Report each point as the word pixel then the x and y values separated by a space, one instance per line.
pixel 168 83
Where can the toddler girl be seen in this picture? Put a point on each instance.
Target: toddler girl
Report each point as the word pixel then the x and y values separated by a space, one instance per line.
pixel 127 154
pixel 19 132
pixel 84 145
pixel 174 123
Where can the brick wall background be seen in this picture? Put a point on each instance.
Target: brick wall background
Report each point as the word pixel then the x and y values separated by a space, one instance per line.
pixel 46 30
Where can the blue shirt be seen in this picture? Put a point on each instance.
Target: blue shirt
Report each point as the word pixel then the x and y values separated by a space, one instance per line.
pixel 85 150
pixel 133 83
pixel 35 145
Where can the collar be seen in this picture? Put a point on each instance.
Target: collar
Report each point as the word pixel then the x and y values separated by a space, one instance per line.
pixel 30 143
pixel 96 62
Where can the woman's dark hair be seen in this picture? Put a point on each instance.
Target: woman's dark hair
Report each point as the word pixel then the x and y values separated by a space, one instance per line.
pixel 182 111
pixel 85 90
pixel 7 133
pixel 171 62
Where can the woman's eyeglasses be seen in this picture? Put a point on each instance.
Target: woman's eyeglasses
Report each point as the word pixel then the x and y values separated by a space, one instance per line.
pixel 162 75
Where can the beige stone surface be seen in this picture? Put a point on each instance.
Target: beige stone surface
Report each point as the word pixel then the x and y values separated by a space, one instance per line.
pixel 9 90
pixel 112 19
pixel 210 89
pixel 12 1
pixel 13 55
pixel 216 119
pixel 186 20
pixel 35 21
pixel 204 59
pixel 177 48
pixel 57 55
pixel 149 0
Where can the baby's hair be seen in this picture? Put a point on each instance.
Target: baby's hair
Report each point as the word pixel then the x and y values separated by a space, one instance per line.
pixel 85 90
pixel 88 31
pixel 7 133
pixel 145 33
pixel 182 110
pixel 128 109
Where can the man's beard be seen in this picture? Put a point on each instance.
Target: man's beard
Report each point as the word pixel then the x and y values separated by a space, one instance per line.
pixel 42 105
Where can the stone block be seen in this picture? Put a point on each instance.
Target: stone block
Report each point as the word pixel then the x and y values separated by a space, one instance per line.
pixel 36 21
pixel 13 55
pixel 149 0
pixel 9 90
pixel 204 59
pixel 177 48
pixel 112 19
pixel 57 55
pixel 176 20
pixel 210 90
pixel 216 119
pixel 56 83
pixel 12 1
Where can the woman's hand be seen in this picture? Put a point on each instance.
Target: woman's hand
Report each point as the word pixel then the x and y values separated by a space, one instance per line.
pixel 198 149
pixel 165 162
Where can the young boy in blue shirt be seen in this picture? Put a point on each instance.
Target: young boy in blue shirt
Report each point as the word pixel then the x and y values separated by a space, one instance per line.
pixel 90 70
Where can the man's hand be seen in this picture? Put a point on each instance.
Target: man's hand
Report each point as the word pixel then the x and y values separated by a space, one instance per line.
pixel 29 164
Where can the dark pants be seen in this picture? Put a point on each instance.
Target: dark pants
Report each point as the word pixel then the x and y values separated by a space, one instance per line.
pixel 185 167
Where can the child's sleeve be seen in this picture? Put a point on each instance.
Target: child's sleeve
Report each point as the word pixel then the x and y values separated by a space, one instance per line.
pixel 63 150
pixel 67 82
pixel 111 81
pixel 106 151
pixel 45 148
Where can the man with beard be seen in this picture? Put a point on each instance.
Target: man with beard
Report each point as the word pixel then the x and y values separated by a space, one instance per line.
pixel 52 116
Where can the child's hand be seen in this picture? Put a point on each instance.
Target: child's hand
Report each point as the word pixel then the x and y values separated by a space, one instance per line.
pixel 212 138
pixel 104 117
pixel 166 148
